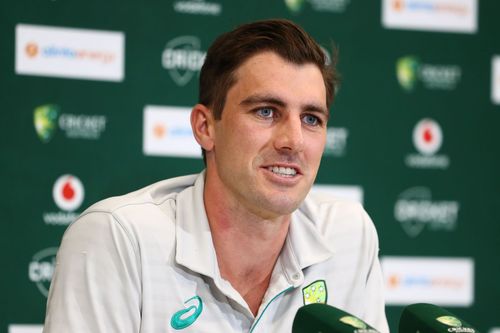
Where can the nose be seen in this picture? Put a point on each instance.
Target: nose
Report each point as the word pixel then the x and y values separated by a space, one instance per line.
pixel 289 135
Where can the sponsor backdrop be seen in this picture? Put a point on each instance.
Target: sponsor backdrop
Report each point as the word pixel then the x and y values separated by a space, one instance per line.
pixel 96 99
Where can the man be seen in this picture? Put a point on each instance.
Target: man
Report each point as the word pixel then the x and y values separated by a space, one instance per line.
pixel 241 246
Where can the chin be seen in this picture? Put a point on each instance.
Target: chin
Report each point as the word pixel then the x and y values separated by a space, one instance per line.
pixel 284 205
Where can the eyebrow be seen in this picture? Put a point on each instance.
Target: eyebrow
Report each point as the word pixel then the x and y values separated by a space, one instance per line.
pixel 272 99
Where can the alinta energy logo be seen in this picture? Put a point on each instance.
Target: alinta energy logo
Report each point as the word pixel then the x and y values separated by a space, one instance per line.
pixel 183 58
pixel 427 139
pixel 456 16
pixel 437 280
pixel 416 210
pixel 198 7
pixel 68 194
pixel 160 131
pixel 167 132
pixel 67 52
pixel 450 7
pixel 336 141
pixel 333 6
pixel 41 269
pixel 48 118
pixel 398 5
pixel 32 49
pixel 411 71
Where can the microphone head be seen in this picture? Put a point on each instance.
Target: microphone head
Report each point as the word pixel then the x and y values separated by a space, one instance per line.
pixel 429 318
pixel 323 318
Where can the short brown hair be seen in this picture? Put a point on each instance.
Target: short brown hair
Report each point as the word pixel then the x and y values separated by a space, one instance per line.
pixel 233 48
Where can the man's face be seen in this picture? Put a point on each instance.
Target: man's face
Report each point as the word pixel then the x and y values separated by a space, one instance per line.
pixel 269 141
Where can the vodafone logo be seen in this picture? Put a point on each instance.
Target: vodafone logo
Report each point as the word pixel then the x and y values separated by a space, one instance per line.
pixel 427 139
pixel 68 192
pixel 427 136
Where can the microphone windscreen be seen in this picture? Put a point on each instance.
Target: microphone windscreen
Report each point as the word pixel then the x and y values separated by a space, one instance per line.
pixel 323 318
pixel 429 318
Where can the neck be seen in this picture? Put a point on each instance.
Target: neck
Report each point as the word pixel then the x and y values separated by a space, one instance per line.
pixel 247 246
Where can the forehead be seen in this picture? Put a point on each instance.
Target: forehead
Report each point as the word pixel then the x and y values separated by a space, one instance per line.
pixel 267 72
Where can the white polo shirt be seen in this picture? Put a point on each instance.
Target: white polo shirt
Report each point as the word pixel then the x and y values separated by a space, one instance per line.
pixel 145 262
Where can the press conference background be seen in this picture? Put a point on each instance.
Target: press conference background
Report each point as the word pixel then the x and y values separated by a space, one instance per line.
pixel 374 115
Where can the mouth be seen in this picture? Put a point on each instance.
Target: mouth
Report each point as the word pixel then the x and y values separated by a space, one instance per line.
pixel 287 172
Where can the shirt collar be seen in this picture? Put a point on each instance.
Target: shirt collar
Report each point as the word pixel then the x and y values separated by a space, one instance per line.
pixel 194 245
pixel 304 245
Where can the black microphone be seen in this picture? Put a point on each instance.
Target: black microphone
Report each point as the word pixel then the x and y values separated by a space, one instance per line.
pixel 323 318
pixel 429 318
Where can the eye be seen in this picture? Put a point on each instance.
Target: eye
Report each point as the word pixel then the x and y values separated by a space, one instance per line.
pixel 311 120
pixel 265 112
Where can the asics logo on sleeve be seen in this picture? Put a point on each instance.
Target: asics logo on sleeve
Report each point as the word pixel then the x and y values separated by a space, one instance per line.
pixel 185 317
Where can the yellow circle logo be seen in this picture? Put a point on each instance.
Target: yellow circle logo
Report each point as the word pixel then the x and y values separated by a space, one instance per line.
pixel 353 321
pixel 450 321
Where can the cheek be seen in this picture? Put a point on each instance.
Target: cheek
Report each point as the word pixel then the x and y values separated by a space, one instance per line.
pixel 242 139
pixel 237 142
pixel 316 145
pixel 248 136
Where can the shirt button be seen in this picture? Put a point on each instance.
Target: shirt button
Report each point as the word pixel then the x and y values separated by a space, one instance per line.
pixel 296 277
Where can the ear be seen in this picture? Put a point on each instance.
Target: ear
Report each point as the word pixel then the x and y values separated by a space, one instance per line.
pixel 202 123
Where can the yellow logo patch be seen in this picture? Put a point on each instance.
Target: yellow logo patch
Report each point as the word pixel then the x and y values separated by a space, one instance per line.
pixel 315 293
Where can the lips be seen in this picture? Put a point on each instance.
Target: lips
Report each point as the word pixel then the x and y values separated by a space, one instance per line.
pixel 282 171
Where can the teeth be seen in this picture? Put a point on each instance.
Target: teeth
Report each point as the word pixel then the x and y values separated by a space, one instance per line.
pixel 282 171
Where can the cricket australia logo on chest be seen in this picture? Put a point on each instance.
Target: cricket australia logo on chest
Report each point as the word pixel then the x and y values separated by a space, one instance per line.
pixel 315 293
pixel 187 316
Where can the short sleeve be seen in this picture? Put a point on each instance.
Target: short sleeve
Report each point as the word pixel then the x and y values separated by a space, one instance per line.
pixel 97 282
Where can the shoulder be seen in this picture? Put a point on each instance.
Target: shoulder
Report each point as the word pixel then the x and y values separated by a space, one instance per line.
pixel 153 195
pixel 325 208
pixel 337 218
pixel 147 210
